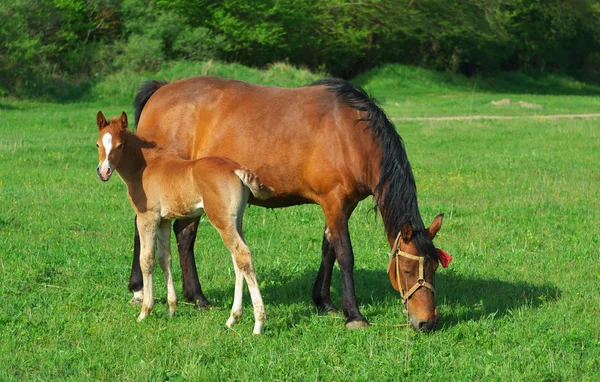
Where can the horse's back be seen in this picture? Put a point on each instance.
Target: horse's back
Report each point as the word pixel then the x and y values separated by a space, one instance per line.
pixel 300 141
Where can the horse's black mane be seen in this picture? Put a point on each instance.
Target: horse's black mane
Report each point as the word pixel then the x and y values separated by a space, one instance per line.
pixel 146 90
pixel 396 192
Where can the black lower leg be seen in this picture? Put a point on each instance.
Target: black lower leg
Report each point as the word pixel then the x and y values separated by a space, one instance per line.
pixel 136 282
pixel 185 232
pixel 345 259
pixel 321 294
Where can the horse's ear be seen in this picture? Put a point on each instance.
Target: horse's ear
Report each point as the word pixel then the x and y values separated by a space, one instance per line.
pixel 406 232
pixel 435 226
pixel 101 121
pixel 123 120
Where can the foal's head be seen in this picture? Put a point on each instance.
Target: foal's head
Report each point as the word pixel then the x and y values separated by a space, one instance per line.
pixel 110 144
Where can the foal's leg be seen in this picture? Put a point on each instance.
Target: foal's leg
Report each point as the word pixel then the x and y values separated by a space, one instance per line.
pixel 242 262
pixel 236 308
pixel 321 290
pixel 147 228
pixel 226 216
pixel 185 233
pixel 164 259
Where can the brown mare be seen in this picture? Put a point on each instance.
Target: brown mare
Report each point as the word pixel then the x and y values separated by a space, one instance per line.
pixel 162 187
pixel 328 143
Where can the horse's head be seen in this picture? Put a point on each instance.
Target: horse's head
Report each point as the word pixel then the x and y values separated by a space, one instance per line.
pixel 412 272
pixel 110 144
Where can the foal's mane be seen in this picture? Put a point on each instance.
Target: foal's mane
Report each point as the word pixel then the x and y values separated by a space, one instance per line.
pixel 395 193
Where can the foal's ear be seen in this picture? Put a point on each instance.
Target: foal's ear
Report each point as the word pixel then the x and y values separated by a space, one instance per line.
pixel 101 121
pixel 123 120
pixel 406 232
pixel 435 226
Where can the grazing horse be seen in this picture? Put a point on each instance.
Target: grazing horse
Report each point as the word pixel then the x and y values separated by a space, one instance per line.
pixel 162 187
pixel 328 143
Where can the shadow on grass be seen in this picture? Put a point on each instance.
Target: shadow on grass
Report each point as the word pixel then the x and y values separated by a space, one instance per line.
pixel 463 298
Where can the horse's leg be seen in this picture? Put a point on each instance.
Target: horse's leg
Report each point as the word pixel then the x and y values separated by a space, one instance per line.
pixel 135 278
pixel 336 216
pixel 164 259
pixel 185 233
pixel 321 290
pixel 147 227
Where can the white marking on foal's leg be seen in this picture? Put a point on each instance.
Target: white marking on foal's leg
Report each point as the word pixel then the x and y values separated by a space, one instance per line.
pixel 147 240
pixel 236 309
pixel 164 259
pixel 257 302
pixel 243 259
pixel 138 296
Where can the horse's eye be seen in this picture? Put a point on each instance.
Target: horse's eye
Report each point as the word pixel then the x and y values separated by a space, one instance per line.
pixel 120 146
pixel 97 145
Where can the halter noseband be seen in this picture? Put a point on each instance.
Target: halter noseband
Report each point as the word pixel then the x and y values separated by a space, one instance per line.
pixel 420 281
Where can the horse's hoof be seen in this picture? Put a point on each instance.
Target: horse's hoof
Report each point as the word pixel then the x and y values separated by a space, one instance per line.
pixel 328 310
pixel 202 304
pixel 357 324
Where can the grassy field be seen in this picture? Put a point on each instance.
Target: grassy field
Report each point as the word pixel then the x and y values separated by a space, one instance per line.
pixel 521 300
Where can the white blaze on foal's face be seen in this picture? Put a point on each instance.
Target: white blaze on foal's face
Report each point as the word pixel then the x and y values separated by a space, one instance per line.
pixel 108 150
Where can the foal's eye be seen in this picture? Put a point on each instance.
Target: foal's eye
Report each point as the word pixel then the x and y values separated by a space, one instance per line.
pixel 120 146
pixel 97 145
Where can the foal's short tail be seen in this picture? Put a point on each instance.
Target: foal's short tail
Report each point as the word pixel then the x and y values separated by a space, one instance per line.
pixel 259 190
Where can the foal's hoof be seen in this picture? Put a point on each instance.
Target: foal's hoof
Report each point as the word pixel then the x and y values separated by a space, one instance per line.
pixel 357 324
pixel 137 298
pixel 135 301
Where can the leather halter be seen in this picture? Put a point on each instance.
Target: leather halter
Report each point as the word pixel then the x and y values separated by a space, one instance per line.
pixel 420 281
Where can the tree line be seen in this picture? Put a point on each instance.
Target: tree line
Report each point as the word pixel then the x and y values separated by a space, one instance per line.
pixel 58 42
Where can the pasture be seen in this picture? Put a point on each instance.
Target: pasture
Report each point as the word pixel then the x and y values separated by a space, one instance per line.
pixel 520 301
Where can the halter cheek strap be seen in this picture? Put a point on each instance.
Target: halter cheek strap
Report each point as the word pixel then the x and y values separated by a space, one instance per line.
pixel 420 281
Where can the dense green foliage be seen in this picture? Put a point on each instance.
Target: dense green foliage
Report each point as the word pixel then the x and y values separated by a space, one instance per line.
pixel 60 48
pixel 519 301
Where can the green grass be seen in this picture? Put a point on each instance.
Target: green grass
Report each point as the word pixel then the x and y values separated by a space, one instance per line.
pixel 519 302
pixel 413 92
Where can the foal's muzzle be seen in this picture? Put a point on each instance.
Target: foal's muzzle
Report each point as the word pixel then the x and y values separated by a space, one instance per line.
pixel 104 174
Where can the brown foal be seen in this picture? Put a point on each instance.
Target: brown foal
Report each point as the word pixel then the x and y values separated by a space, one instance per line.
pixel 162 187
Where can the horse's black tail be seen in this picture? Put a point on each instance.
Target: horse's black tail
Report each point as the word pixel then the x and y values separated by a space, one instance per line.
pixel 146 90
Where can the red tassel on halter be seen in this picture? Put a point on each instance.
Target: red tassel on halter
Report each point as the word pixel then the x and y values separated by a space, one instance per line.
pixel 445 258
